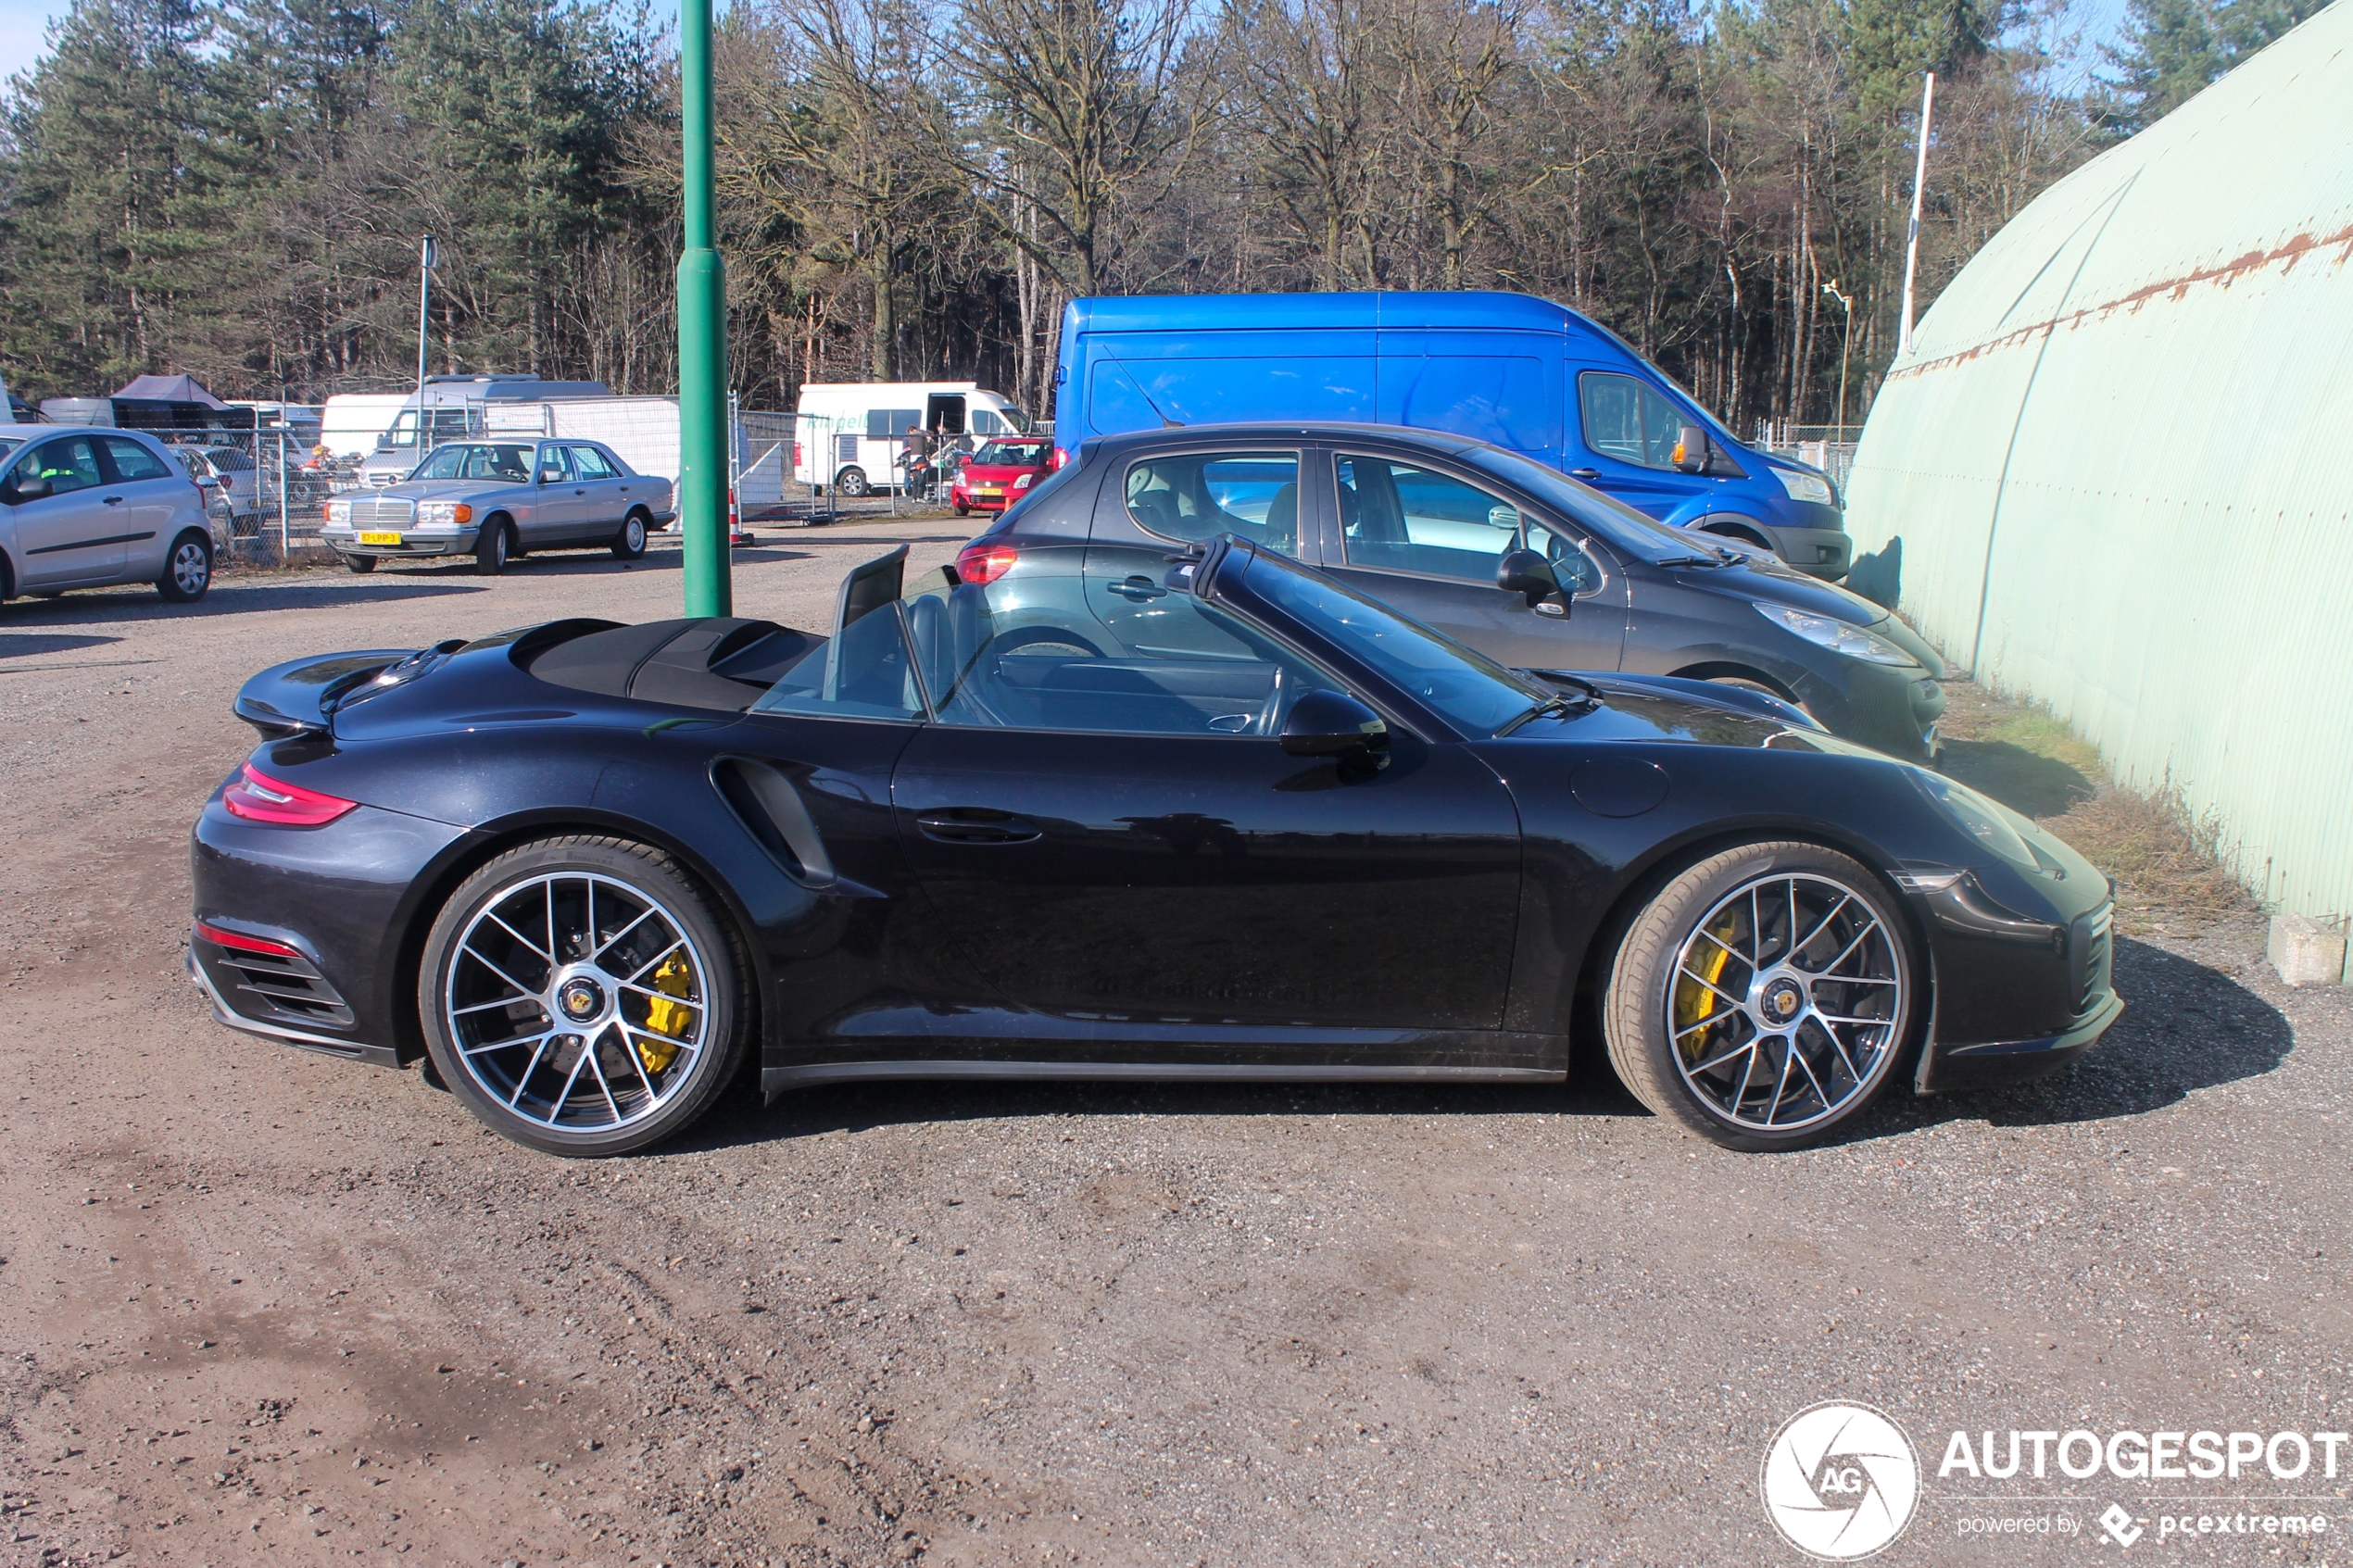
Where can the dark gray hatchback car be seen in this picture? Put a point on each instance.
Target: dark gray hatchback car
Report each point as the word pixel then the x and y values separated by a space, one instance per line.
pixel 1502 554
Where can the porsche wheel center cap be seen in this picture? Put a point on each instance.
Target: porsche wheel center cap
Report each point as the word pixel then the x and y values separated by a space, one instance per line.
pixel 581 998
pixel 1783 1000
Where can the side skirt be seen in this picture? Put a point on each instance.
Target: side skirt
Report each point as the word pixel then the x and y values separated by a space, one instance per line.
pixel 774 1080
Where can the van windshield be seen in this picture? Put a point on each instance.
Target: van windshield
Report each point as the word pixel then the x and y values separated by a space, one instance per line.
pixel 1643 538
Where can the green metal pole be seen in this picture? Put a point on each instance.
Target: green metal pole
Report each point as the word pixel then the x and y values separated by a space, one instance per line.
pixel 702 338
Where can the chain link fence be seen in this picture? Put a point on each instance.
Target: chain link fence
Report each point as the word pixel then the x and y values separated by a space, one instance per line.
pixel 1827 448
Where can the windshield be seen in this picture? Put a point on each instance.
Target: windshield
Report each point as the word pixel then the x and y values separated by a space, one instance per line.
pixel 485 460
pixel 1643 537
pixel 1471 692
pixel 1011 454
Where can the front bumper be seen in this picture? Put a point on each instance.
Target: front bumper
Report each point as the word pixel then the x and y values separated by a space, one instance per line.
pixel 1947 1068
pixel 1818 552
pixel 1895 708
pixel 345 540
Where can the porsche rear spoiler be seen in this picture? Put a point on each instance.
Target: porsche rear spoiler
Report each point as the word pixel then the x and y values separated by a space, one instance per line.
pixel 299 697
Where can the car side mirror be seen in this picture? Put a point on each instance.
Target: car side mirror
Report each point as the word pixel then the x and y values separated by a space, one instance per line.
pixel 31 487
pixel 1527 573
pixel 1329 723
pixel 1692 450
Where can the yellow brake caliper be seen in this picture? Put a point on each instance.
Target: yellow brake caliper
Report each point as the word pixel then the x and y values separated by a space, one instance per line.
pixel 1695 1003
pixel 665 1017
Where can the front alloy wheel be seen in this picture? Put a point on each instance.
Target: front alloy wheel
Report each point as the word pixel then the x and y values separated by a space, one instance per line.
pixel 1764 997
pixel 581 998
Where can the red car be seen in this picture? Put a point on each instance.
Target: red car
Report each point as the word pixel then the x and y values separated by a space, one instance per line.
pixel 997 474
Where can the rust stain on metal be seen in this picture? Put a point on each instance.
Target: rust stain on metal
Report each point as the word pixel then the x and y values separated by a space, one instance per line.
pixel 2288 253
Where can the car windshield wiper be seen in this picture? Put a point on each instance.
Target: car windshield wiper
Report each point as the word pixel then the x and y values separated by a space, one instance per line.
pixel 1721 558
pixel 1587 698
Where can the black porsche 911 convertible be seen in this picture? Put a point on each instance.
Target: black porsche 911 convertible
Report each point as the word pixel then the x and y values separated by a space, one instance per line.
pixel 1105 813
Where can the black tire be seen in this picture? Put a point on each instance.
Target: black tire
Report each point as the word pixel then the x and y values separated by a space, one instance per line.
pixel 630 543
pixel 493 546
pixel 1838 1069
pixel 851 484
pixel 685 922
pixel 964 512
pixel 362 564
pixel 187 569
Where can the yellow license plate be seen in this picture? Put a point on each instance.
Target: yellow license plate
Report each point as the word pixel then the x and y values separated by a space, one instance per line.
pixel 987 490
pixel 380 538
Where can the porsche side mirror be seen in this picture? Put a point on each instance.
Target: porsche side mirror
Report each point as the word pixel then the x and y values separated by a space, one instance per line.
pixel 1527 573
pixel 1331 723
pixel 1692 450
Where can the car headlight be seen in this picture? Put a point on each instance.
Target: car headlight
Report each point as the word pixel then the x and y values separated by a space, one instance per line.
pixel 1804 486
pixel 339 511
pixel 445 513
pixel 1980 818
pixel 1023 482
pixel 1839 637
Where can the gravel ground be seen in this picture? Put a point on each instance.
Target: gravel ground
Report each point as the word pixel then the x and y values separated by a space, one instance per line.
pixel 266 1307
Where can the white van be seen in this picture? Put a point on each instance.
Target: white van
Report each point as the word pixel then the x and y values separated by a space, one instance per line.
pixel 850 434
pixel 353 421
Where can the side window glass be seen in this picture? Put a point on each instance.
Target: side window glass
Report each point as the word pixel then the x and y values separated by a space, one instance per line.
pixel 863 673
pixel 1629 420
pixel 888 424
pixel 1030 652
pixel 1198 495
pixel 590 463
pixel 1401 518
pixel 986 422
pixel 67 464
pixel 132 462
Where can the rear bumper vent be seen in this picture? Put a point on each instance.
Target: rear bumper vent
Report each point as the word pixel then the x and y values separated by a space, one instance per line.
pixel 279 990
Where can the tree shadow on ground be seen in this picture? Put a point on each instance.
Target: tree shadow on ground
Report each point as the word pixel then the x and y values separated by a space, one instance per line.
pixel 2026 782
pixel 31 645
pixel 105 607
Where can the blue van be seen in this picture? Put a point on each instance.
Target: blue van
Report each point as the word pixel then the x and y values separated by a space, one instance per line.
pixel 1524 373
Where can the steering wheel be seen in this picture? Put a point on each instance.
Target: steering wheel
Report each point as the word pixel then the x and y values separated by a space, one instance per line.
pixel 1270 717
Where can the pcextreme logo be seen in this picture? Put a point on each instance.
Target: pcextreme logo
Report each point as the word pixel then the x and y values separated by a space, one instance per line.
pixel 1839 1481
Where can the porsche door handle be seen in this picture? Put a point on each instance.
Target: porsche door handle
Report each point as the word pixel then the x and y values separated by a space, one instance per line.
pixel 974 824
pixel 1587 475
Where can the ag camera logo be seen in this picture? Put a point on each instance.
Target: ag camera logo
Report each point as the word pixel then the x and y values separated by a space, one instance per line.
pixel 1839 1481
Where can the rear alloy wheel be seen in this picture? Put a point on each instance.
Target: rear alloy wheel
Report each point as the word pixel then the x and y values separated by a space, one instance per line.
pixel 583 998
pixel 1762 997
pixel 851 484
pixel 492 546
pixel 187 571
pixel 630 543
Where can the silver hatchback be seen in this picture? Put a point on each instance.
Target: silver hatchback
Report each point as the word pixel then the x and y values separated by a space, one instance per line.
pixel 497 499
pixel 85 507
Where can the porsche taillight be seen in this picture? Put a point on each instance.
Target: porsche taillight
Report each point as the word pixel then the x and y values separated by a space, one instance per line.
pixel 237 941
pixel 258 797
pixel 982 563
